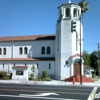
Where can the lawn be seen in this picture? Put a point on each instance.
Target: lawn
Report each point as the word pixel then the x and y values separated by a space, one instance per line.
pixel 95 78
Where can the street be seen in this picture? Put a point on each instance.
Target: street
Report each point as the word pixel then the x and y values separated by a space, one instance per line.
pixel 37 92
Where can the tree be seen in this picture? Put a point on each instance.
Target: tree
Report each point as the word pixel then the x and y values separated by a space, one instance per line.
pixel 87 60
pixel 94 60
pixel 34 70
pixel 44 74
pixel 84 7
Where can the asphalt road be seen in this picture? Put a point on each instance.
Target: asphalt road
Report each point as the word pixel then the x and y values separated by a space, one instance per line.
pixel 36 92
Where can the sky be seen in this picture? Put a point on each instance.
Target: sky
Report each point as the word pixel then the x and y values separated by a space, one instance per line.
pixel 39 17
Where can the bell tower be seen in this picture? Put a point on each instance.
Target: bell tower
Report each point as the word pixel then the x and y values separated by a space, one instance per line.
pixel 68 30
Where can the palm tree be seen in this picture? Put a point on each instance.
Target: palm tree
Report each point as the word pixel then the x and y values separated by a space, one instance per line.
pixel 84 7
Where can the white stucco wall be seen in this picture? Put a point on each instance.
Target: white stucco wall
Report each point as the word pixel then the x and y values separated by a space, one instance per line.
pixel 42 65
pixel 12 48
pixel 88 72
pixel 66 40
pixel 20 77
pixel 8 46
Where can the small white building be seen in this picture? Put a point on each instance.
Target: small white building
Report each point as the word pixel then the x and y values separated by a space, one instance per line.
pixel 59 53
pixel 88 71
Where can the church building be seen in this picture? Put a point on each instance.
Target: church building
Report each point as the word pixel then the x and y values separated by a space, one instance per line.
pixel 58 54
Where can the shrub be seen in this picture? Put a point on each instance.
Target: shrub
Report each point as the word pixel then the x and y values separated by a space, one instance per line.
pixel 6 78
pixel 39 78
pixel 32 76
pixel 94 73
pixel 44 74
pixel 43 79
pixel 3 74
pixel 48 79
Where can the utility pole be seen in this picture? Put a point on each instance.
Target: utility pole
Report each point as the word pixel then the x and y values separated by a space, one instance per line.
pixel 98 60
pixel 80 56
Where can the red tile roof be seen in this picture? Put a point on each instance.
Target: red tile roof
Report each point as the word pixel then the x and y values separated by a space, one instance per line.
pixel 20 67
pixel 17 59
pixel 75 55
pixel 27 38
pixel 87 67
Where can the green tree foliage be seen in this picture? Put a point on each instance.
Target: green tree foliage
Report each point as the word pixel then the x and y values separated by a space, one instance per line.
pixel 94 60
pixel 33 72
pixel 33 69
pixel 32 76
pixel 3 75
pixel 44 74
pixel 91 60
pixel 84 6
pixel 86 57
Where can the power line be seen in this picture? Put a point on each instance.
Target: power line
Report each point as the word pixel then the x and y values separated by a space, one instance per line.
pixel 93 11
pixel 91 44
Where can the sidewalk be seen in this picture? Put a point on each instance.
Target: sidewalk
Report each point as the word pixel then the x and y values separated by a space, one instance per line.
pixel 54 82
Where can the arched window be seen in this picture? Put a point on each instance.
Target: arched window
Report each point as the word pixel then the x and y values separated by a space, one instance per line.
pixel 20 50
pixel 4 51
pixel 49 66
pixel 25 50
pixel 0 51
pixel 3 65
pixel 43 50
pixel 48 50
pixel 67 12
pixel 75 12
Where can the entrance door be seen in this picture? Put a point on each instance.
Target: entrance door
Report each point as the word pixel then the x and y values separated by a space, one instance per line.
pixel 76 68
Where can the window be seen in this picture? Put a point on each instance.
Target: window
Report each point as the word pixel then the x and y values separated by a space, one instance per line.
pixel 25 50
pixel 48 50
pixel 4 51
pixel 49 66
pixel 0 51
pixel 67 12
pixel 37 66
pixel 3 66
pixel 75 12
pixel 19 72
pixel 20 50
pixel 87 71
pixel 43 50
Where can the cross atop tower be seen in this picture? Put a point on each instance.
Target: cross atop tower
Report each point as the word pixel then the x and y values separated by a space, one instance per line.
pixel 69 1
